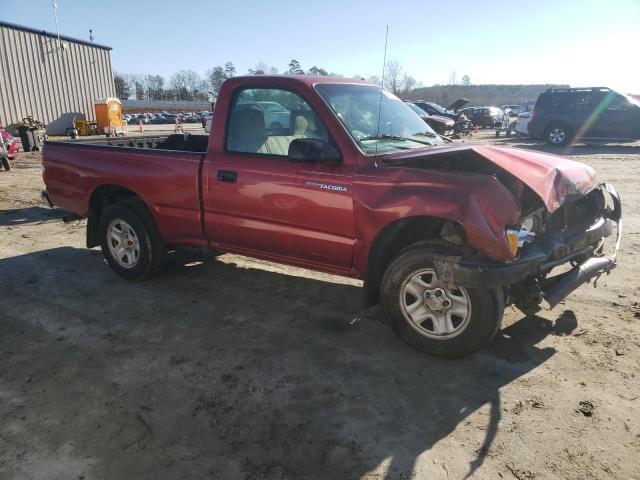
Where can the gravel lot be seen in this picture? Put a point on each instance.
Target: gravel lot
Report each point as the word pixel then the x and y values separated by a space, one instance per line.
pixel 233 368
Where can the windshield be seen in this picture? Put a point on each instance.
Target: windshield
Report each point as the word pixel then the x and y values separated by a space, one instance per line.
pixel 632 100
pixel 438 108
pixel 417 109
pixel 359 106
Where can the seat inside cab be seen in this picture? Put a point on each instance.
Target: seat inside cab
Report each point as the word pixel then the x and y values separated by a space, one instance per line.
pixel 248 131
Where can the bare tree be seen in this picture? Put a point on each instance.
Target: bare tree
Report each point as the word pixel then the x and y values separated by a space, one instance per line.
pixel 155 87
pixel 187 85
pixel 137 85
pixel 375 79
pixel 452 78
pixel 466 80
pixel 408 83
pixel 229 69
pixel 393 76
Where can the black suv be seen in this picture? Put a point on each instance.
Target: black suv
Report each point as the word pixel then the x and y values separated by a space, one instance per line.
pixel 570 115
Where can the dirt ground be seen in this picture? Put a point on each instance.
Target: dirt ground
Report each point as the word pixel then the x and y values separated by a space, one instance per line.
pixel 232 368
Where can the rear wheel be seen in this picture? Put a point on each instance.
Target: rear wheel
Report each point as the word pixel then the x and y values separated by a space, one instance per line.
pixel 130 242
pixel 433 316
pixel 557 134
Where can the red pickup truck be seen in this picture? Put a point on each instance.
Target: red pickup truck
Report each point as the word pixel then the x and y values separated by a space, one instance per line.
pixel 356 184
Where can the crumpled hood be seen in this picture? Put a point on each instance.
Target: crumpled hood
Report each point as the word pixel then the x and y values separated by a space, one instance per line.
pixel 551 177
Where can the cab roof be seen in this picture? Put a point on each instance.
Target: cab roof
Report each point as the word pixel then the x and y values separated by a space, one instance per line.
pixel 308 80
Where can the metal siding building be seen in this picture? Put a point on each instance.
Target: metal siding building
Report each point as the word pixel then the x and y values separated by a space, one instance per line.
pixel 54 80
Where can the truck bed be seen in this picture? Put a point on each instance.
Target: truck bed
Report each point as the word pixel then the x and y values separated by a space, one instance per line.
pixel 164 171
pixel 174 142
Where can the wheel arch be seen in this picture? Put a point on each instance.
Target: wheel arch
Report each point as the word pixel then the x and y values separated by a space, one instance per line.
pixel 103 196
pixel 395 237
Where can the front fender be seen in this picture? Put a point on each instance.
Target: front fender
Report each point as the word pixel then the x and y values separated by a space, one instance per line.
pixel 479 203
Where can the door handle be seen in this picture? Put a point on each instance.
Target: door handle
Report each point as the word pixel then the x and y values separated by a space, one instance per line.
pixel 227 176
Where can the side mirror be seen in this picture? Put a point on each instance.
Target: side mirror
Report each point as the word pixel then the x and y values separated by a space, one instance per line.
pixel 313 150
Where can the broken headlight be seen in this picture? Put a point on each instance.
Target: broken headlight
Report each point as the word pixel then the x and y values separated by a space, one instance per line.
pixel 524 233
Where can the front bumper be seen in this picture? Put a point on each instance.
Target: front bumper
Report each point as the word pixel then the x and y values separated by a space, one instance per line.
pixel 542 254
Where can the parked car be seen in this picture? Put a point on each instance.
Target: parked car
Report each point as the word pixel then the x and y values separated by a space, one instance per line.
pixel 444 237
pixel 441 125
pixel 434 109
pixel 574 114
pixel 158 120
pixel 524 117
pixel 9 148
pixel 486 117
pixel 170 118
pixel 469 112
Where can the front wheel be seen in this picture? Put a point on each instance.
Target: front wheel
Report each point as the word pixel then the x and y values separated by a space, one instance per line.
pixel 130 242
pixel 441 319
pixel 557 134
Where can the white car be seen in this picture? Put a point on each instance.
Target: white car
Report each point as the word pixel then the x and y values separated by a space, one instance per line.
pixel 524 117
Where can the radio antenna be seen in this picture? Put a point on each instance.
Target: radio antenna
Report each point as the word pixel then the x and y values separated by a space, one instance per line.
pixel 384 68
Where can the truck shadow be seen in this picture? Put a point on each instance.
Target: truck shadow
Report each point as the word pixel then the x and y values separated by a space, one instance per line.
pixel 224 371
pixel 29 216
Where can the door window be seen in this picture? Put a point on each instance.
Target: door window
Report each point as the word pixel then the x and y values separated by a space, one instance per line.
pixel 617 102
pixel 264 121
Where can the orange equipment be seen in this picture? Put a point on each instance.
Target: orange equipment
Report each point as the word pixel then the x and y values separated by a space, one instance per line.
pixel 109 116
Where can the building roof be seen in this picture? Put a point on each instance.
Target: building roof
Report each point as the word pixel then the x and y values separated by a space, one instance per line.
pixel 52 35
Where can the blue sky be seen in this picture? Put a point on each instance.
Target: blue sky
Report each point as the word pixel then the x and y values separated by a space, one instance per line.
pixel 582 43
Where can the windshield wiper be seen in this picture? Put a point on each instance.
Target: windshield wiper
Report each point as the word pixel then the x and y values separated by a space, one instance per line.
pixel 426 134
pixel 393 137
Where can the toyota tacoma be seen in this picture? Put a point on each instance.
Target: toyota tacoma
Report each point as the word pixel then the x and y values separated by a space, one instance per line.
pixel 443 236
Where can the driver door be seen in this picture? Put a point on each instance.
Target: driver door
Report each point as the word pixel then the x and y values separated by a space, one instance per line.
pixel 258 201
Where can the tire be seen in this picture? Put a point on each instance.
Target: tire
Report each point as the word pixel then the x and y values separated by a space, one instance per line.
pixel 497 133
pixel 6 164
pixel 131 223
pixel 464 333
pixel 508 134
pixel 557 134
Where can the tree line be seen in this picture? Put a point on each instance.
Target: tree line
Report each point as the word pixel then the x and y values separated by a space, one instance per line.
pixel 480 95
pixel 189 85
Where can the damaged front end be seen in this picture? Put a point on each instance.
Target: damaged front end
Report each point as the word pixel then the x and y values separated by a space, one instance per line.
pixel 573 234
pixel 563 219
